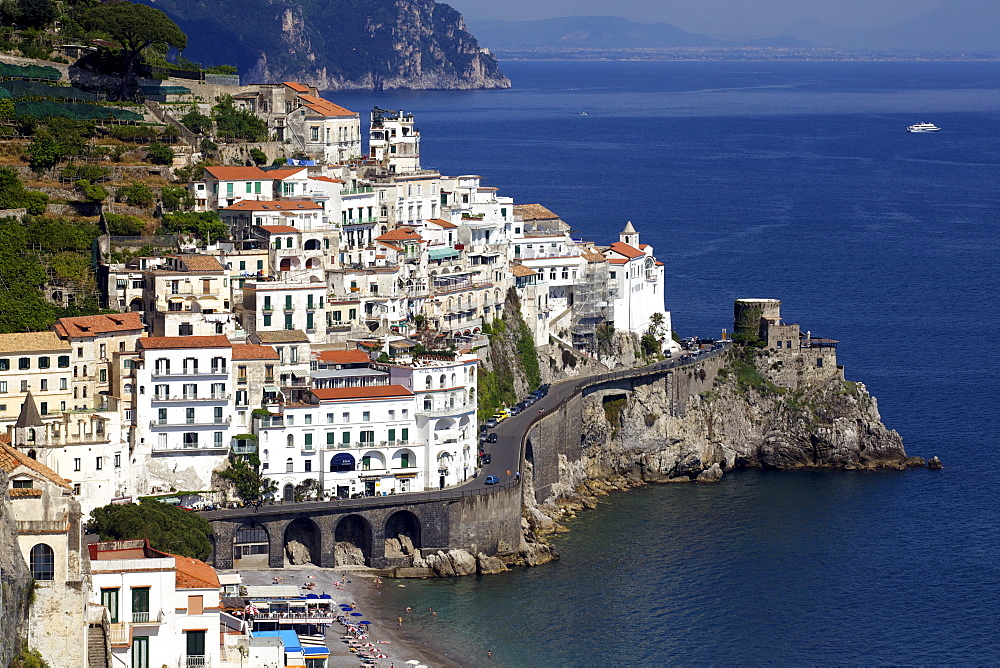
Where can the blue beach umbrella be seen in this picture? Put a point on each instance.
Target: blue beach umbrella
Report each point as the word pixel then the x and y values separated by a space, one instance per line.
pixel 364 622
pixel 355 614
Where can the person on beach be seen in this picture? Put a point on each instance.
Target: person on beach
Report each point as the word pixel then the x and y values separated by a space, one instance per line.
pixel 400 621
pixel 489 654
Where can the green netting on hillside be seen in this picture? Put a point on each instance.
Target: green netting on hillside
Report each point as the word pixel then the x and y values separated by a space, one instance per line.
pixel 38 89
pixel 76 110
pixel 29 72
pixel 165 90
pixel 4 93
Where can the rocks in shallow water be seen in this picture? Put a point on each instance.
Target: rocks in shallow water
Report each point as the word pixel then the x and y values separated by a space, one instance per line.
pixel 453 563
pixel 488 565
pixel 297 553
pixel 934 464
pixel 711 474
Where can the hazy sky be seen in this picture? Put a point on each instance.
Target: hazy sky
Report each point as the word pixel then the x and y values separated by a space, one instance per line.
pixel 749 17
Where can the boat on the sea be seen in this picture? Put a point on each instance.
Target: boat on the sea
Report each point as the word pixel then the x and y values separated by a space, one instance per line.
pixel 923 127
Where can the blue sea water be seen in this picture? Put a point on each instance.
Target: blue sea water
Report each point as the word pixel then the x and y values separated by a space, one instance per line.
pixel 788 180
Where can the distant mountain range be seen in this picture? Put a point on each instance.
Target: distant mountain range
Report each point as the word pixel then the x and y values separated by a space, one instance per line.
pixel 958 25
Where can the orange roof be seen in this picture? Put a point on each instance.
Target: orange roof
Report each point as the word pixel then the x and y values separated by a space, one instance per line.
pixel 442 223
pixel 626 250
pixel 251 351
pixel 400 235
pixel 11 458
pixel 237 173
pixel 271 205
pixel 534 212
pixel 325 107
pixel 200 262
pixel 194 574
pixel 376 392
pixel 520 270
pixel 344 356
pixel 617 260
pixel 89 325
pixel 278 229
pixel 167 342
pixel 296 86
pixel 326 179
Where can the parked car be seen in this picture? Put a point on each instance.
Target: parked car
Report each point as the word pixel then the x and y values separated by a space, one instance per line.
pixel 483 430
pixel 492 480
pixel 486 458
pixel 489 424
pixel 492 438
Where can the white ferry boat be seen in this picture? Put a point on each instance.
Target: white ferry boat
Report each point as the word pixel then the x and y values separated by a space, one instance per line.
pixel 923 127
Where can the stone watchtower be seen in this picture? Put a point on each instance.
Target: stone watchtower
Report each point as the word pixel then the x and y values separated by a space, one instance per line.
pixel 29 430
pixel 629 236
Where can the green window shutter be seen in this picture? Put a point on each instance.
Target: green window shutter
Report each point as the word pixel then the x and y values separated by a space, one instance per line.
pixel 405 435
pixel 347 437
pixel 330 438
pixel 309 439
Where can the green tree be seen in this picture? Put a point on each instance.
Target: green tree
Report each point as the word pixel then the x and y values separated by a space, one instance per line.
pixel 197 122
pixel 22 302
pixel 175 198
pixel 124 226
pixel 233 123
pixel 258 156
pixel 160 154
pixel 167 528
pixel 7 109
pixel 90 192
pixel 35 13
pixel 244 474
pixel 35 202
pixel 44 151
pixel 203 224
pixel 135 27
pixel 137 194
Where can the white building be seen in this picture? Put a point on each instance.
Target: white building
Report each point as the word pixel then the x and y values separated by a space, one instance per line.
pixel 350 440
pixel 270 306
pixel 164 609
pixel 394 141
pixel 184 416
pixel 636 279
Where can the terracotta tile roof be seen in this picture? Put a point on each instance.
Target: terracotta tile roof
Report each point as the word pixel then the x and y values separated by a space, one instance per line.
pixel 395 248
pixel 442 223
pixel 296 86
pixel 237 173
pixel 194 574
pixel 400 235
pixel 270 205
pixel 626 250
pixel 376 392
pixel 534 212
pixel 282 336
pixel 617 260
pixel 168 342
pixel 325 107
pixel 90 325
pixel 15 493
pixel 200 262
pixel 659 264
pixel 47 341
pixel 592 257
pixel 326 179
pixel 345 356
pixel 280 229
pixel 11 459
pixel 251 351
pixel 521 270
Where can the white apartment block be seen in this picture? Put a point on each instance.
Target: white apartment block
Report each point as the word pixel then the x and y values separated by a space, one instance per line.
pixel 270 306
pixel 636 280
pixel 184 415
pixel 394 141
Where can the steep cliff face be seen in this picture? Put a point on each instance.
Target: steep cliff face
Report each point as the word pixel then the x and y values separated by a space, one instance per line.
pixel 728 412
pixel 337 44
pixel 15 583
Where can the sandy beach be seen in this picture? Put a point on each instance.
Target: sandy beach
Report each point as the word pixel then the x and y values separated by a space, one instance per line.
pixel 360 589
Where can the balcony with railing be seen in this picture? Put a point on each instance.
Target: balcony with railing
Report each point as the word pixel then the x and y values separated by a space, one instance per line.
pixel 191 422
pixel 213 396
pixel 191 371
pixel 118 634
pixel 195 661
pixel 180 448
pixel 363 190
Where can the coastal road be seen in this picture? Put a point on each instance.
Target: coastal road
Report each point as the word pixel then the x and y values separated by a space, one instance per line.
pixel 505 453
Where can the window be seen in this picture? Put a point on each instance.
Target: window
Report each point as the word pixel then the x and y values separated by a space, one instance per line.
pixel 140 651
pixel 102 376
pixel 118 460
pixel 366 416
pixel 43 562
pixel 43 384
pixel 308 440
pixel 63 361
pixel 99 464
pixel 217 439
pixel 140 605
pixel 3 387
pixel 346 439
pixel 63 383
pixel 43 362
pixel 288 321
pixel 4 364
pixel 267 320
pixel 196 606
pixel 217 414
pixel 289 465
pixel 161 441
pixel 190 439
pixel 24 363
pixel 309 465
pixel 309 418
pixel 109 599
pixel 189 415
pixel 345 418
pixel 44 407
pixel 22 484
pixel 76 463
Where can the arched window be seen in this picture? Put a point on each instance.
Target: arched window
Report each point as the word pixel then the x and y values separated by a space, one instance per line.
pixel 291 442
pixel 31 435
pixel 428 383
pixel 288 242
pixel 428 403
pixel 289 465
pixel 443 380
pixel 453 384
pixel 128 388
pixel 43 562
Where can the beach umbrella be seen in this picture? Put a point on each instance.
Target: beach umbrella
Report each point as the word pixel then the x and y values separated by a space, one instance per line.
pixel 420 665
pixel 356 614
pixel 413 662
pixel 364 622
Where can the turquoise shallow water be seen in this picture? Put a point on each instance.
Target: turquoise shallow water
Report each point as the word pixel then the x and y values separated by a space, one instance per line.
pixel 787 180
